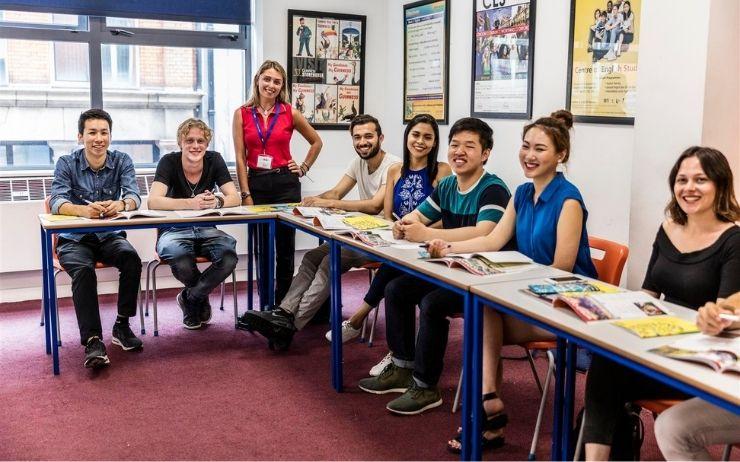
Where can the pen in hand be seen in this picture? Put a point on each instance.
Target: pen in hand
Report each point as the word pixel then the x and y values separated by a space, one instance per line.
pixel 396 216
pixel 101 215
pixel 729 317
pixel 426 245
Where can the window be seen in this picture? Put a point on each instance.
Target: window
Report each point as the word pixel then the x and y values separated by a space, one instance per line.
pixel 136 69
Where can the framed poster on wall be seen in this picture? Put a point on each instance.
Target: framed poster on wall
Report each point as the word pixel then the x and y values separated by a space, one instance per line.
pixel 426 70
pixel 326 67
pixel 503 59
pixel 602 60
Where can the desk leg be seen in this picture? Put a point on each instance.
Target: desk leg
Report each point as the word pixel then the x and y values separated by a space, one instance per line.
pixel 250 267
pixel 52 304
pixel 472 377
pixel 270 282
pixel 335 276
pixel 45 291
pixel 569 398
pixel 557 431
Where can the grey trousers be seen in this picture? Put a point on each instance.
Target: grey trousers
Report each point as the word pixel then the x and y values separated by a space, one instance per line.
pixel 685 430
pixel 310 287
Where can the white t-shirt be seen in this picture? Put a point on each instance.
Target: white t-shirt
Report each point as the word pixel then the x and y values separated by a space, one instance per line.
pixel 368 184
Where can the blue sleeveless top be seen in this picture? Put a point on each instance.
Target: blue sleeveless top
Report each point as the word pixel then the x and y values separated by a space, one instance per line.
pixel 410 190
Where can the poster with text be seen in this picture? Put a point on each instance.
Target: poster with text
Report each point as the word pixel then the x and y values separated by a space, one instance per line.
pixel 503 57
pixel 604 44
pixel 326 66
pixel 426 59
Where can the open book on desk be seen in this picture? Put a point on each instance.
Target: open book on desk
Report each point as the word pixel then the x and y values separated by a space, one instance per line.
pixel 721 353
pixel 367 237
pixel 137 214
pixel 311 212
pixel 599 306
pixel 331 222
pixel 486 263
pixel 214 212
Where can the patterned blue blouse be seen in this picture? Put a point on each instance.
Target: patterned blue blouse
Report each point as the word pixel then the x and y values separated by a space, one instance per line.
pixel 410 191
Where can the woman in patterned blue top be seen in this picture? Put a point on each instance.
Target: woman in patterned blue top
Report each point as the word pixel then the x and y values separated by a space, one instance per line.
pixel 407 186
pixel 547 217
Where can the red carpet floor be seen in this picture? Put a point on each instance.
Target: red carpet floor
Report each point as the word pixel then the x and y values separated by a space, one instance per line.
pixel 220 394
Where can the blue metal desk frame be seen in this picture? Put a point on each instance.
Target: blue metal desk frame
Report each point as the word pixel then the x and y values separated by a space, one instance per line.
pixel 564 379
pixel 47 265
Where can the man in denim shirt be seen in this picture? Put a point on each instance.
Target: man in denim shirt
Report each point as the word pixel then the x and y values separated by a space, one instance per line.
pixel 96 183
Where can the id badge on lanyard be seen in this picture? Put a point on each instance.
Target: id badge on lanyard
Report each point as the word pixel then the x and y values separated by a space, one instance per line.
pixel 264 160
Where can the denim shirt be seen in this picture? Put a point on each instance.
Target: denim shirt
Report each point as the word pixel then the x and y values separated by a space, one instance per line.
pixel 75 182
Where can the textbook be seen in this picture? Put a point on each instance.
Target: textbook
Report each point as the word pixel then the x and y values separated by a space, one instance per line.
pixel 486 263
pixel 364 222
pixel 599 306
pixel 368 238
pixel 51 217
pixel 311 212
pixel 721 353
pixel 137 214
pixel 330 222
pixel 214 212
pixel 658 326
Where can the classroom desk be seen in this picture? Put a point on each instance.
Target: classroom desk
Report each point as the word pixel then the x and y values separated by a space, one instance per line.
pixel 602 338
pixel 49 228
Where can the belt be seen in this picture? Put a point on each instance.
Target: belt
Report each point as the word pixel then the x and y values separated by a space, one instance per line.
pixel 268 171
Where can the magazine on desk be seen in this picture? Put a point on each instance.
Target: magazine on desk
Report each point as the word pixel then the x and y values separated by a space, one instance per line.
pixel 599 306
pixel 214 212
pixel 331 222
pixel 311 212
pixel 137 214
pixel 367 237
pixel 486 263
pixel 721 353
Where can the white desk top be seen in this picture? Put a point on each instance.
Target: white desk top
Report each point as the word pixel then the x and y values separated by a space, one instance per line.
pixel 616 339
pixel 305 223
pixel 170 217
pixel 456 277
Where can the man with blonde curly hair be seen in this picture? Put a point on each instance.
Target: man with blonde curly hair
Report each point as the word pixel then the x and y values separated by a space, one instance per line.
pixel 186 180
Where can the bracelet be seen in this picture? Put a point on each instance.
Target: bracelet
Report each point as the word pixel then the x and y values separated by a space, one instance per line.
pixel 123 201
pixel 305 167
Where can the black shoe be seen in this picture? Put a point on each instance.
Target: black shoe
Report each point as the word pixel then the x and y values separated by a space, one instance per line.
pixel 190 314
pixel 205 311
pixel 275 325
pixel 95 355
pixel 125 338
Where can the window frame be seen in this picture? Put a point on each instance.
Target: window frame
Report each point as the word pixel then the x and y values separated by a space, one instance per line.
pixel 97 33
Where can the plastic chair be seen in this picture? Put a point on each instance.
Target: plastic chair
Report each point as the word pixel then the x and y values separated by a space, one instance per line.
pixel 371 268
pixel 608 269
pixel 58 269
pixel 151 274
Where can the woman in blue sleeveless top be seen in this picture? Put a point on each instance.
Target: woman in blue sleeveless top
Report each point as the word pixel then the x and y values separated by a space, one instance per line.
pixel 407 186
pixel 547 217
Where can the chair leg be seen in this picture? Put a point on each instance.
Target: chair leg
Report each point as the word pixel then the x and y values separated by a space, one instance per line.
pixel 223 291
pixel 139 304
pixel 146 293
pixel 154 298
pixel 579 441
pixel 233 294
pixel 362 332
pixel 456 402
pixel 42 314
pixel 727 452
pixel 543 400
pixel 372 326
pixel 59 328
pixel 534 369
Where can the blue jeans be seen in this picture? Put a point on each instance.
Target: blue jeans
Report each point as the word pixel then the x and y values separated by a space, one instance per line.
pixel 179 247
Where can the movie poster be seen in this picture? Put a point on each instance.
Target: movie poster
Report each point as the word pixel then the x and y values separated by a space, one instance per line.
pixel 426 54
pixel 605 37
pixel 325 70
pixel 502 60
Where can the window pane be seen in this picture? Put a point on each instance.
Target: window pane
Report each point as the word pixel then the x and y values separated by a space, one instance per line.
pixel 71 62
pixel 118 64
pixel 172 84
pixel 43 20
pixel 171 25
pixel 39 114
pixel 3 60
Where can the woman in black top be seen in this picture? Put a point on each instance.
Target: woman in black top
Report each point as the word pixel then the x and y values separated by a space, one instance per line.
pixel 696 259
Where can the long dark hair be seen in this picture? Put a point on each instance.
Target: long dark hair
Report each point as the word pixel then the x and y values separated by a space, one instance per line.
pixel 717 169
pixel 432 164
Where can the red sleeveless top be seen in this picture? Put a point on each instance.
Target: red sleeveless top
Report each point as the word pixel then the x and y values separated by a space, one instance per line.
pixel 278 144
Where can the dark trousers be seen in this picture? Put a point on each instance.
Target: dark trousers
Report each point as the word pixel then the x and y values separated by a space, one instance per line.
pixel 402 294
pixel 78 260
pixel 383 276
pixel 277 188
pixel 608 387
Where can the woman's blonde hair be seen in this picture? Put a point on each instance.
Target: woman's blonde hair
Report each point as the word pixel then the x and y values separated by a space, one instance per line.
pixel 187 124
pixel 282 97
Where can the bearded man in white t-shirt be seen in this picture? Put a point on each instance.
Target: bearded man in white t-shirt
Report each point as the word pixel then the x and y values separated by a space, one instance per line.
pixel 310 287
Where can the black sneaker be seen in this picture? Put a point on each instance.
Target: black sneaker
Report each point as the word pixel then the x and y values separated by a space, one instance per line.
pixel 275 325
pixel 95 355
pixel 190 315
pixel 124 337
pixel 205 311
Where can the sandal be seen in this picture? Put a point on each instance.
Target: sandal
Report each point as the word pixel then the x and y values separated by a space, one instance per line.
pixel 493 422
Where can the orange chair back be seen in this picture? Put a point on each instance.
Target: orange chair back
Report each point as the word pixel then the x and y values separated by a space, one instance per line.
pixel 609 268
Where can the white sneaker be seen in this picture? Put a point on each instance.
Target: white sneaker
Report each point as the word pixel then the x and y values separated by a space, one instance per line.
pixel 348 332
pixel 378 368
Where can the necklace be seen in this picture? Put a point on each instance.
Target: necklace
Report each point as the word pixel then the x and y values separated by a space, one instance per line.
pixel 266 111
pixel 193 188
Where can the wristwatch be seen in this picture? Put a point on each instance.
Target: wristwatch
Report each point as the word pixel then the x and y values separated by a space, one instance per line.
pixel 245 194
pixel 125 205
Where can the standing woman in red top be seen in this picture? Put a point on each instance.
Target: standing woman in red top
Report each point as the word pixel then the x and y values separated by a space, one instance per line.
pixel 266 170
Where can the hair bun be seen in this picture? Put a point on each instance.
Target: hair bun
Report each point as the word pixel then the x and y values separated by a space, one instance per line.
pixel 564 116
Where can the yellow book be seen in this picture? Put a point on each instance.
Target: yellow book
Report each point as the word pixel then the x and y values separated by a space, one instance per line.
pixel 364 222
pixel 50 217
pixel 657 326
